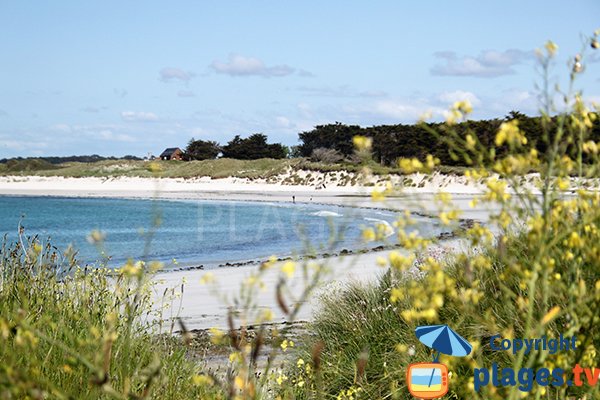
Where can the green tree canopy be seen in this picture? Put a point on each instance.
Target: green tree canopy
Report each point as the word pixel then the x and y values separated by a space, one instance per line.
pixel 202 149
pixel 253 147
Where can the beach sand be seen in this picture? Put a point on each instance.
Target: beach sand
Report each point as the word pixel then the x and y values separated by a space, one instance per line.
pixel 200 309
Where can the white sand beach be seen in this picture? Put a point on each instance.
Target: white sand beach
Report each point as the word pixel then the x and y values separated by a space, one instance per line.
pixel 199 308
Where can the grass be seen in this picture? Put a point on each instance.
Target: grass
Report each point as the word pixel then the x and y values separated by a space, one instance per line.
pixel 364 321
pixel 221 168
pixel 28 166
pixel 70 333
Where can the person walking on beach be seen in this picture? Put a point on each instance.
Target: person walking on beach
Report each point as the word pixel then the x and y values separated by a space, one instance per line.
pixel 294 199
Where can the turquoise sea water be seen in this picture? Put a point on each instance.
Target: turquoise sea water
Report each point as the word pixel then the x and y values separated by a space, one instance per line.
pixel 193 232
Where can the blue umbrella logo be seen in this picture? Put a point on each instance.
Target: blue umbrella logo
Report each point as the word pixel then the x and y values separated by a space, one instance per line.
pixel 442 339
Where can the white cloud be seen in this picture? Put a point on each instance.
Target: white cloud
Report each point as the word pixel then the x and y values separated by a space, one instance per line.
pixel 20 145
pixel 488 64
pixel 305 110
pixel 64 128
pixel 169 74
pixel 403 111
pixel 459 95
pixel 283 122
pixel 238 65
pixel 198 132
pixel 117 137
pixel 512 99
pixel 339 91
pixel 139 116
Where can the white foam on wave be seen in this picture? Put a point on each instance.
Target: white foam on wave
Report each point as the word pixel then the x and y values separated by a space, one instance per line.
pixel 324 213
pixel 389 230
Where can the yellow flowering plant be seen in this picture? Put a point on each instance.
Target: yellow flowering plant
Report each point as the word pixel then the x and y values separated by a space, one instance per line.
pixel 531 268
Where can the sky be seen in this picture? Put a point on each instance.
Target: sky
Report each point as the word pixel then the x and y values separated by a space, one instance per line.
pixel 134 77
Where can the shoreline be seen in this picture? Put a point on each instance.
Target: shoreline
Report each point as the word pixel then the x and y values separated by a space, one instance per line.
pixel 198 307
pixel 242 189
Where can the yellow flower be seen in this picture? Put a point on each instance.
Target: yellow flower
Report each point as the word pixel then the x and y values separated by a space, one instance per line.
pixel 453 116
pixel 443 197
pixel 395 295
pixel 235 357
pixel 550 315
pixel 425 116
pixel 216 335
pixel 551 48
pixel 362 143
pixel 285 344
pixel 380 192
pixel 401 262
pixel 288 268
pixel 431 162
pixel 202 380
pixel 510 133
pixel 132 269
pixel 562 183
pixel 470 142
pixel 239 382
pixel 269 263
pixel 154 167
pixel 410 165
pixel 155 266
pixel 207 278
pixel 447 217
pixel 96 237
pixel 590 147
pixel 281 378
pixel 267 315
pixel 368 234
pixel 401 348
pixel 464 106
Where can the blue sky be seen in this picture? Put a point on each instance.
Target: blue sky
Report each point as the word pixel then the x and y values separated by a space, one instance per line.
pixel 117 78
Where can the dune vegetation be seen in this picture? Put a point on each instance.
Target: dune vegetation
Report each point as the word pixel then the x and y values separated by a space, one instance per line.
pixel 534 270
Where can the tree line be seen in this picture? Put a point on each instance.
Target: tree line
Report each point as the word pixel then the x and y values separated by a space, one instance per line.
pixel 332 143
pixel 251 148
pixel 391 142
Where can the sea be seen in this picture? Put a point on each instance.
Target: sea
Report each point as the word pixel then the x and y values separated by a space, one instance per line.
pixel 192 233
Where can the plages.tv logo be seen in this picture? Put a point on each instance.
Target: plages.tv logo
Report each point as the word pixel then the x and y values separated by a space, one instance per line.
pixel 429 380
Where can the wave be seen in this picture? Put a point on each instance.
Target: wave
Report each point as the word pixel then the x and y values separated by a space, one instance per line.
pixel 324 213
